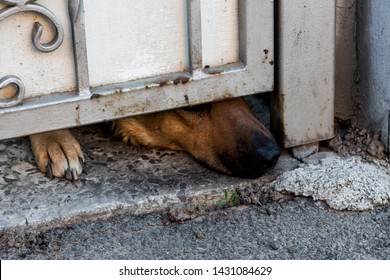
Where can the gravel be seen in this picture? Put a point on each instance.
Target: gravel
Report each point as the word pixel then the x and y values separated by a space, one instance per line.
pixel 352 140
pixel 344 183
pixel 356 178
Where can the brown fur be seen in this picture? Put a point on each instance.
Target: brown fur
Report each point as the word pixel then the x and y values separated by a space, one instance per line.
pixel 204 133
pixel 223 135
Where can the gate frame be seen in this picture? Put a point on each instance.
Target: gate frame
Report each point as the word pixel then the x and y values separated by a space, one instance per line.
pixel 254 73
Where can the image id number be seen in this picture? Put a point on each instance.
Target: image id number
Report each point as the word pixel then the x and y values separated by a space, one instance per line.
pixel 261 271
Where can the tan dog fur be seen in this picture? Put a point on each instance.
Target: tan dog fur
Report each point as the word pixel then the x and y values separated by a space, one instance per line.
pixel 206 132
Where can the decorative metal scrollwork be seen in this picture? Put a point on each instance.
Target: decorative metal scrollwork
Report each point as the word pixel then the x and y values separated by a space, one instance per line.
pixel 19 95
pixel 19 6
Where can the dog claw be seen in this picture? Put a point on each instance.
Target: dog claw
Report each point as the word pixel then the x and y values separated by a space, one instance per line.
pixel 69 175
pixel 58 154
pixel 49 172
pixel 74 174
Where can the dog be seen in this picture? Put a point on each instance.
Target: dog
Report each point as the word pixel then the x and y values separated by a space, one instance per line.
pixel 223 135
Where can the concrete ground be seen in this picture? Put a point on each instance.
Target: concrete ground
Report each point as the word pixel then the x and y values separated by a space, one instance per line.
pixel 157 204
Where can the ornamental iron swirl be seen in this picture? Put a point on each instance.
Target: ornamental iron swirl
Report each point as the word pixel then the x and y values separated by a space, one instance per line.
pixel 19 95
pixel 18 6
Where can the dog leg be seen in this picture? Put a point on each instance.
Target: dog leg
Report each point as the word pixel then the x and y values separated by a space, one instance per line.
pixel 58 154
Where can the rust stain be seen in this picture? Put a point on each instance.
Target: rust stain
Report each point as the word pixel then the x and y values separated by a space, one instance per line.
pixel 215 72
pixel 95 96
pixel 120 111
pixel 197 54
pixel 226 95
pixel 109 103
pixel 162 83
pixel 186 98
pixel 181 80
pixel 266 51
pixel 77 119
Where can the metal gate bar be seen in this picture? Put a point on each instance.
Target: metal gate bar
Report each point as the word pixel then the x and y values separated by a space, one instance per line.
pixel 77 20
pixel 254 73
pixel 195 34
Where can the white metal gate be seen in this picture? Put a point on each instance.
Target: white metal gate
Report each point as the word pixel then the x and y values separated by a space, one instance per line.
pixel 103 60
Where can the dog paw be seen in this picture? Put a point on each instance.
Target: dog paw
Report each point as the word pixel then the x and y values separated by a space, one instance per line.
pixel 58 154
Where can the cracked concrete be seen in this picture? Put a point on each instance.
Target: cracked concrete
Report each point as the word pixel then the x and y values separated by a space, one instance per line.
pixel 116 176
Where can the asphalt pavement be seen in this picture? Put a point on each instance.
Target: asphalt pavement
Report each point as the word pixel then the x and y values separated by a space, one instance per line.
pixel 295 229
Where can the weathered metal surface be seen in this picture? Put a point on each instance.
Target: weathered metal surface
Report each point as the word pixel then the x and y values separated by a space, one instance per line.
pixel 77 19
pixel 220 32
pixel 92 103
pixel 347 77
pixel 138 39
pixel 306 71
pixel 195 34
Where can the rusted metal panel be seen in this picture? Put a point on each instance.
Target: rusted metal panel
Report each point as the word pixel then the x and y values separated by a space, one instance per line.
pixel 91 103
pixel 304 101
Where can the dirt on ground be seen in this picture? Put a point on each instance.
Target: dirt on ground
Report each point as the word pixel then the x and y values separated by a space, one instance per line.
pixel 352 140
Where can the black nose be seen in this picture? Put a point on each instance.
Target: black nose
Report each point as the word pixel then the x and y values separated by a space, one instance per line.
pixel 253 159
pixel 269 153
